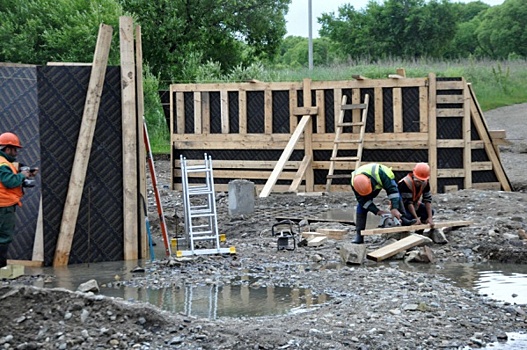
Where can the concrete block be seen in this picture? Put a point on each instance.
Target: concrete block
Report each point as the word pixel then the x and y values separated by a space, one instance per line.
pixel 11 271
pixel 241 197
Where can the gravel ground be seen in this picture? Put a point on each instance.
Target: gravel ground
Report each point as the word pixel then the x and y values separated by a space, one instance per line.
pixel 371 306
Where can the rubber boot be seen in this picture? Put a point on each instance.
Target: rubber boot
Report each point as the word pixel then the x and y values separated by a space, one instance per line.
pixel 3 255
pixel 360 224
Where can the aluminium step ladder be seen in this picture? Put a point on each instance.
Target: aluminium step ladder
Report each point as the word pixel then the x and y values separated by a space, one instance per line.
pixel 201 223
pixel 340 140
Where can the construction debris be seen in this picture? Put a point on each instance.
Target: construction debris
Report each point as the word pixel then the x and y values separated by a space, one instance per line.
pixel 397 247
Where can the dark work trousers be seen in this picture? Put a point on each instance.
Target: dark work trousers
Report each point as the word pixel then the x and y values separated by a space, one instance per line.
pixel 420 211
pixel 7 230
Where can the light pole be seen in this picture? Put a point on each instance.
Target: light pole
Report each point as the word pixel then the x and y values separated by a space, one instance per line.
pixel 310 39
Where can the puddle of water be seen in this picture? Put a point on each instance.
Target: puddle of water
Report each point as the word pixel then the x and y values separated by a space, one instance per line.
pixel 516 341
pixel 207 301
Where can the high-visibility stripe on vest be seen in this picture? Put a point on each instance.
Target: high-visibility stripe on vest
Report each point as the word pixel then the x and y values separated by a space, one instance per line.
pixel 372 170
pixel 10 196
pixel 410 183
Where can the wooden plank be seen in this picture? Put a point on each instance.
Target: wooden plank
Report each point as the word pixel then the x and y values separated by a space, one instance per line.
pixel 293 103
pixel 337 106
pixel 481 166
pixel 310 235
pixel 224 105
pixel 398 229
pixel 467 138
pixel 82 153
pixel 306 162
pixel 285 156
pixel 379 115
pixel 141 146
pixel 450 85
pixel 205 113
pixel 28 263
pixel 450 99
pixel 308 136
pixel 423 109
pixel 38 243
pixel 356 113
pixel 316 241
pixel 450 112
pixel 321 114
pixel 446 173
pixel 397 110
pixel 268 112
pixel 492 186
pixel 242 112
pixel 396 247
pixel 130 141
pixel 477 119
pixel 337 234
pixel 180 114
pixel 198 122
pixel 312 110
pixel 432 131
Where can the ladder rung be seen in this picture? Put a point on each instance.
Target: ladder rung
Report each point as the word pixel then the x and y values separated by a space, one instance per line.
pixel 203 238
pixel 354 106
pixel 339 176
pixel 208 232
pixel 201 215
pixel 351 124
pixel 343 158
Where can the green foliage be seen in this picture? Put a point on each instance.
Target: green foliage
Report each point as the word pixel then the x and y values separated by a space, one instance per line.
pixel 180 35
pixel 40 31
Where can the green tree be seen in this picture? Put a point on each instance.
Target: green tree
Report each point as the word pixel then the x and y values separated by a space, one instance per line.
pixel 180 35
pixel 39 31
pixel 503 30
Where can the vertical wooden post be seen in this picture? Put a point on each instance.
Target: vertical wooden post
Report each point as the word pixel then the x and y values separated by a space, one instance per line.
pixel 129 125
pixel 242 112
pixel 379 112
pixel 84 143
pixel 308 137
pixel 141 145
pixel 432 130
pixel 268 111
pixel 224 112
pixel 467 137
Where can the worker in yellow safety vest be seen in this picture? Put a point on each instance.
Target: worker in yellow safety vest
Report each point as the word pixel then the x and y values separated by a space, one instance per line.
pixel 367 182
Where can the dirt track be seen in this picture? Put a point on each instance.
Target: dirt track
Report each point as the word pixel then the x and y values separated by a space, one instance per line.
pixel 373 306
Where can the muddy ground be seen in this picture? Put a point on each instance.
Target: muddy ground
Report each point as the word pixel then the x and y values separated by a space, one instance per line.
pixel 372 306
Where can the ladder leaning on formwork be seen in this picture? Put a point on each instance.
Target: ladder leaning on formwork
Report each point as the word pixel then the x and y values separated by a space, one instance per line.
pixel 201 222
pixel 338 139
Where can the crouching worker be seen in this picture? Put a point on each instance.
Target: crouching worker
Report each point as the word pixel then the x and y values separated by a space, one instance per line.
pixel 416 195
pixel 11 182
pixel 367 182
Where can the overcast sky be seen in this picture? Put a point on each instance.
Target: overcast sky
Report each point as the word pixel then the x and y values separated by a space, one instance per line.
pixel 297 18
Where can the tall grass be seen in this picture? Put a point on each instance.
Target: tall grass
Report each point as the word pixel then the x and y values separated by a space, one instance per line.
pixel 496 83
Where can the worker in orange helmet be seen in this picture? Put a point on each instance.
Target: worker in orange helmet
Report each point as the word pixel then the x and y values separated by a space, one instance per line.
pixel 367 182
pixel 416 194
pixel 12 179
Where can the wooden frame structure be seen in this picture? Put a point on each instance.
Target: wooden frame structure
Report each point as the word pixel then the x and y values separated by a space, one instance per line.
pixel 247 126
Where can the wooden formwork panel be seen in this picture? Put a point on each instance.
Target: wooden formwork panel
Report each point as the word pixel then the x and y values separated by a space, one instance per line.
pixel 245 127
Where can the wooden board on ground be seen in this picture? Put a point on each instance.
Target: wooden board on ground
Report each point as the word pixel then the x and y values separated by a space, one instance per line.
pixel 11 271
pixel 396 247
pixel 311 235
pixel 332 233
pixel 316 241
pixel 397 229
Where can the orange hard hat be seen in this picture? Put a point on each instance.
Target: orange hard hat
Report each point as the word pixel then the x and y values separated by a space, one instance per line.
pixel 9 139
pixel 422 171
pixel 362 184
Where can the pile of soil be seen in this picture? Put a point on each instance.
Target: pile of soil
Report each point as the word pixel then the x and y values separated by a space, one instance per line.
pixel 372 306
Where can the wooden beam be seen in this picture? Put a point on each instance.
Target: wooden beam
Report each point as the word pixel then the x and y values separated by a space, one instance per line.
pixel 312 110
pixel 467 137
pixel 130 141
pixel 285 156
pixel 308 136
pixel 396 247
pixel 306 162
pixel 398 229
pixel 82 153
pixel 432 131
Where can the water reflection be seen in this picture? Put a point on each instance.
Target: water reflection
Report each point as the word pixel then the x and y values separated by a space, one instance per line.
pixel 501 282
pixel 206 301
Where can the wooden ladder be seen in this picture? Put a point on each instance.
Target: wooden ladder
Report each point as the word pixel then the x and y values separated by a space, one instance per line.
pixel 338 133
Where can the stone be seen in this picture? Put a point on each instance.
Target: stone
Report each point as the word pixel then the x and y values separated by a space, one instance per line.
pixel 241 197
pixel 352 253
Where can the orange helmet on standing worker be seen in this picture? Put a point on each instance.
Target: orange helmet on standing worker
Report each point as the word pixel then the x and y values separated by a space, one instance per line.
pixel 422 171
pixel 9 139
pixel 362 184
